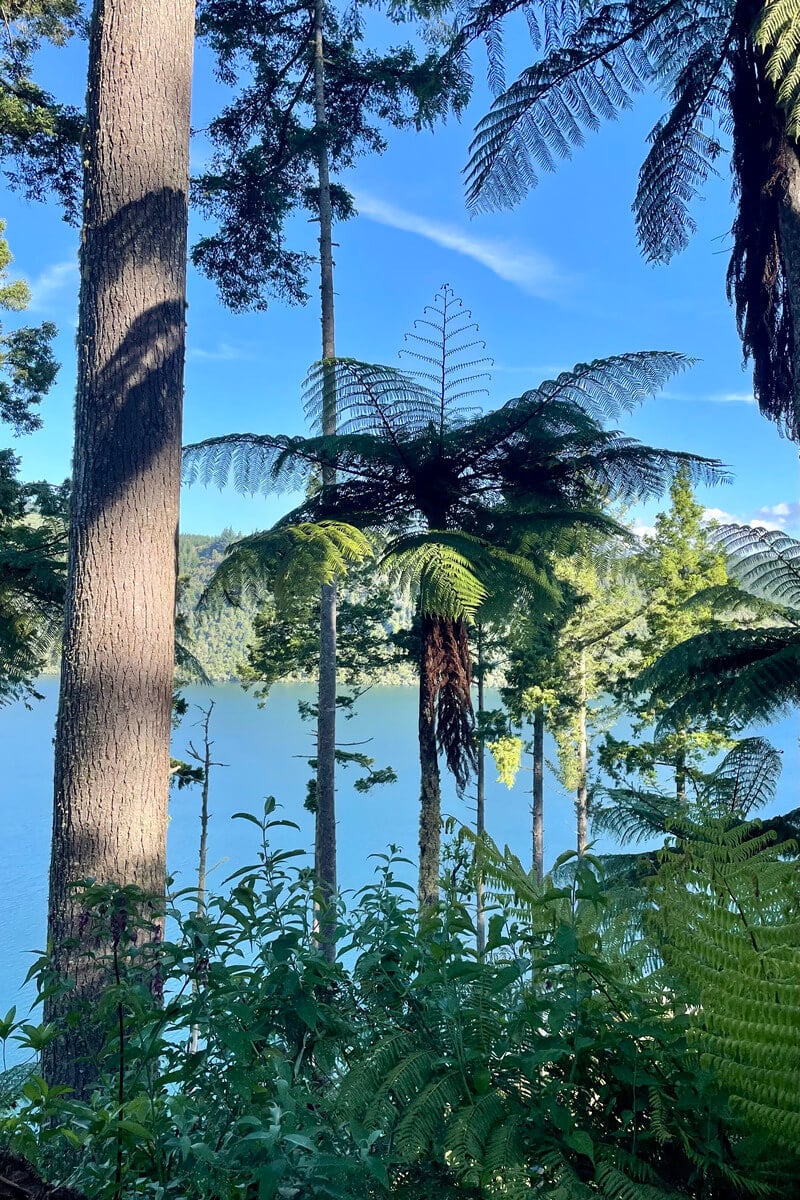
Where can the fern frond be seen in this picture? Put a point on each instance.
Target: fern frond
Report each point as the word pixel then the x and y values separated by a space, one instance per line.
pixel 370 398
pixel 590 76
pixel 251 462
pixel 746 779
pixel 765 562
pixel 286 560
pixel 777 35
pixel 435 566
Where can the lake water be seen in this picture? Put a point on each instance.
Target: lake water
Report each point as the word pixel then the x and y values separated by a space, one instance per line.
pixel 265 749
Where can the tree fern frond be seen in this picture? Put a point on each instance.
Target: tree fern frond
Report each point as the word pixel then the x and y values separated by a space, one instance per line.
pixel 589 76
pixel 251 462
pixel 370 398
pixel 441 574
pixel 746 779
pixel 777 35
pixel 681 157
pixel 765 562
pixel 286 560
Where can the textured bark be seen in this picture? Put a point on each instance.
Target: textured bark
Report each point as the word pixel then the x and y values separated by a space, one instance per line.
pixel 113 728
pixel 582 799
pixel 430 800
pixel 538 793
pixel 325 840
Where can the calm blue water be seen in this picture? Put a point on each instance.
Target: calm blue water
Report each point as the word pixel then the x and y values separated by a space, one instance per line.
pixel 265 750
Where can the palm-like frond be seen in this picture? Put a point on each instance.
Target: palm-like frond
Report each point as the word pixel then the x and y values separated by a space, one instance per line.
pixel 589 74
pixel 746 779
pixel 286 560
pixel 777 34
pixel 765 562
pixel 251 462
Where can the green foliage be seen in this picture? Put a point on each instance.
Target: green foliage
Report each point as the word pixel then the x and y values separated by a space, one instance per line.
pixel 32 515
pixel 749 669
pixel 729 922
pixel 777 34
pixel 266 140
pixel 40 136
pixel 410 1066
pixel 705 60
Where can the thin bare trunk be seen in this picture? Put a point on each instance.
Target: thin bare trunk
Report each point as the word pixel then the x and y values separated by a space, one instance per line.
pixel 430 786
pixel 202 856
pixel 113 727
pixel 680 777
pixel 582 800
pixel 538 793
pixel 325 839
pixel 480 816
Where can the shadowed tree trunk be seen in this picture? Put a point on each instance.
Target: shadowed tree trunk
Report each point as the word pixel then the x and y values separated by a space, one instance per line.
pixel 430 800
pixel 325 840
pixel 789 227
pixel 538 793
pixel 113 728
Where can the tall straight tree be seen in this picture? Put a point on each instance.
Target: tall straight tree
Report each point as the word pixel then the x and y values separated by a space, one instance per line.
pixel 112 734
pixel 311 92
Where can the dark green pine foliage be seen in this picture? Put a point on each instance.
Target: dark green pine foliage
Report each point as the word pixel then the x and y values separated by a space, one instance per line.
pixel 265 162
pixel 749 670
pixel 32 515
pixel 721 65
pixel 39 137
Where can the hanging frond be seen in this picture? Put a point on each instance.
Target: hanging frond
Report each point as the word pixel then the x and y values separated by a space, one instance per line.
pixel 287 560
pixel 251 462
pixel 437 568
pixel 777 35
pixel 681 156
pixel 589 74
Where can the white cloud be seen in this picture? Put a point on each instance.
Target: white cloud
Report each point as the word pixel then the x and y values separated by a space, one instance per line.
pixel 712 398
pixel 775 516
pixel 527 269
pixel 644 532
pixel 222 352
pixel 48 287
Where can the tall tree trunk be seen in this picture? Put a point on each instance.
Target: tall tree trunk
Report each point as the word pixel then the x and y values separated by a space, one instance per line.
pixel 582 799
pixel 430 812
pixel 202 854
pixel 325 840
pixel 538 792
pixel 480 816
pixel 113 727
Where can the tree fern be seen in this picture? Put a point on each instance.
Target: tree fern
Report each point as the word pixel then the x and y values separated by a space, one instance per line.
pixel 728 917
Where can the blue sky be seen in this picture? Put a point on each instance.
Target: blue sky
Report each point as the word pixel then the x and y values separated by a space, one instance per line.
pixel 557 281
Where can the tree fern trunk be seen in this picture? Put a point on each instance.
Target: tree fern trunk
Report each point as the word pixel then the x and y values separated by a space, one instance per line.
pixel 113 727
pixel 325 841
pixel 538 793
pixel 430 785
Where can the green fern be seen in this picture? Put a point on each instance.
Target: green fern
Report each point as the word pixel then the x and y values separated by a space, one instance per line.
pixel 777 35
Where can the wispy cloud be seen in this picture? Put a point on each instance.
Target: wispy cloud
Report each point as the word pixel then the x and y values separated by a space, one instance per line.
pixel 535 273
pixel 52 283
pixel 222 352
pixel 710 398
pixel 784 515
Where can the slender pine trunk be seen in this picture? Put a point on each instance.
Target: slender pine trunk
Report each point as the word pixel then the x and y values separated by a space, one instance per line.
pixel 325 840
pixel 430 814
pixel 113 727
pixel 480 816
pixel 680 777
pixel 538 793
pixel 202 854
pixel 582 799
